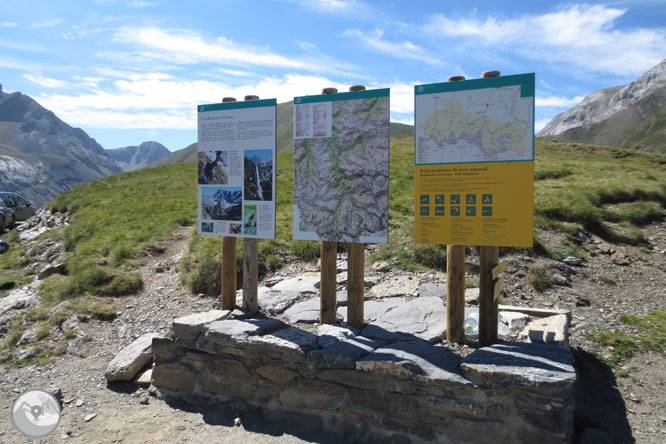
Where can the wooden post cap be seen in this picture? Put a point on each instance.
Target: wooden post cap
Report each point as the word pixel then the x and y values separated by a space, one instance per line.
pixel 357 88
pixel 329 91
pixel 228 99
pixel 455 78
pixel 251 97
pixel 486 74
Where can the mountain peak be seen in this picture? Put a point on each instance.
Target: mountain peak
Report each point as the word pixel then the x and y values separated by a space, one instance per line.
pixel 628 116
pixel 132 158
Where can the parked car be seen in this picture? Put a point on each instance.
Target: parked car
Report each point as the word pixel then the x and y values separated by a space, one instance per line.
pixel 4 246
pixel 23 209
pixel 7 218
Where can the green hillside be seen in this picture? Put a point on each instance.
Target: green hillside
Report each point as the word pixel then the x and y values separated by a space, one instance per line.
pixel 117 220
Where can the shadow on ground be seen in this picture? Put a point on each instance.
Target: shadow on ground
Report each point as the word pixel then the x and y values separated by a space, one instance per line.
pixel 600 413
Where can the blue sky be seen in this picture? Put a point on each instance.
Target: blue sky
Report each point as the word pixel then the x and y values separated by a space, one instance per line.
pixel 130 71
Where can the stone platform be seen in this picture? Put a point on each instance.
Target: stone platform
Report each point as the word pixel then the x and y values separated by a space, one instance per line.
pixel 375 385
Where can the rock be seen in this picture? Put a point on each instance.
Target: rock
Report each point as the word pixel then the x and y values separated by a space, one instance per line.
pixel 144 399
pixel 430 289
pixel 237 422
pixel 582 301
pixel 276 302
pixel 304 284
pixel 381 267
pixel 278 375
pixel 233 331
pixel 189 327
pixel 620 259
pixel 396 286
pixel 514 320
pixel 415 360
pixel 423 317
pixel 371 281
pixel 79 402
pixel 519 363
pixel 572 260
pixel 90 417
pixel 552 330
pixel 558 279
pixel 289 344
pixel 344 354
pixel 580 238
pixel 306 312
pixel 19 299
pixel 331 334
pixel 52 269
pixel 56 392
pixel 144 378
pixel 472 296
pixel 373 310
pixel 28 337
pixel 127 363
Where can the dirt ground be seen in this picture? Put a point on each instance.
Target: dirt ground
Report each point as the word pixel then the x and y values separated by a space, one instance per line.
pixel 609 408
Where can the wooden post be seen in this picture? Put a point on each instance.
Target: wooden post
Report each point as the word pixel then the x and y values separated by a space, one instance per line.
pixel 356 272
pixel 228 262
pixel 488 257
pixel 329 271
pixel 455 283
pixel 250 265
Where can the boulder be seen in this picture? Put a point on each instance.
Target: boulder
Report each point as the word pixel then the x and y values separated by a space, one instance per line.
pixel 127 363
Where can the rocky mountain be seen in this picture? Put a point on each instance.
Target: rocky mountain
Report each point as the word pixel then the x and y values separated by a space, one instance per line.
pixel 41 156
pixel 186 155
pixel 132 158
pixel 629 116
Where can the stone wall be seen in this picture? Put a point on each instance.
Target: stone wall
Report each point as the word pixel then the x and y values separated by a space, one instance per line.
pixel 371 386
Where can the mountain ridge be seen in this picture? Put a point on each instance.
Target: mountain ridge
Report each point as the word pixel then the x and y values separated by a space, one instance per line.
pixel 132 158
pixel 626 116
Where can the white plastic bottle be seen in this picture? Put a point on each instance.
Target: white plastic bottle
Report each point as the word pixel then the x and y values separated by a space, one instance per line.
pixel 471 324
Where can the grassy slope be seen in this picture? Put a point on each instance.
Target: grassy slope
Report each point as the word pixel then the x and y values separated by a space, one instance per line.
pixel 114 221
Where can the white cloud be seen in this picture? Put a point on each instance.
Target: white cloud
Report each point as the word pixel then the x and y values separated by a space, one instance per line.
pixel 583 35
pixel 540 124
pixel 46 23
pixel 142 4
pixel 402 50
pixel 557 101
pixel 8 25
pixel 44 81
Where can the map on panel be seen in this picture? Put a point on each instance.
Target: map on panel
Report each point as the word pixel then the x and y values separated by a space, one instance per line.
pixel 341 167
pixel 470 126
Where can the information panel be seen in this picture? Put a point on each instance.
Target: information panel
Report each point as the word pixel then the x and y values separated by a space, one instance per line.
pixel 474 162
pixel 341 167
pixel 236 169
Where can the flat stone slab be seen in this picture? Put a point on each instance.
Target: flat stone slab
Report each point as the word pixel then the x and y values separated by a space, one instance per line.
pixel 416 360
pixel 398 286
pixel 520 363
pixel 127 363
pixel 189 327
pixel 514 320
pixel 344 354
pixel 306 312
pixel 306 283
pixel 238 331
pixel 291 343
pixel 331 334
pixel 423 317
pixel 553 330
pixel 375 309
pixel 433 290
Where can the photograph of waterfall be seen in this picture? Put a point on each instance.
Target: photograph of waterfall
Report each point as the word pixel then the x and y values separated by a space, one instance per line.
pixel 258 175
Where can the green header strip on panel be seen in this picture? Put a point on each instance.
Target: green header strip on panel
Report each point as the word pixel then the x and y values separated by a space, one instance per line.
pixel 526 82
pixel 365 94
pixel 237 105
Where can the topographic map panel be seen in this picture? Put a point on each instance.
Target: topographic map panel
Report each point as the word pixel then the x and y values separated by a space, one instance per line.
pixel 341 174
pixel 470 126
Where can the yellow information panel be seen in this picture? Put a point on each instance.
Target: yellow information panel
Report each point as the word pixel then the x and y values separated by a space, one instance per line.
pixel 474 162
pixel 487 204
